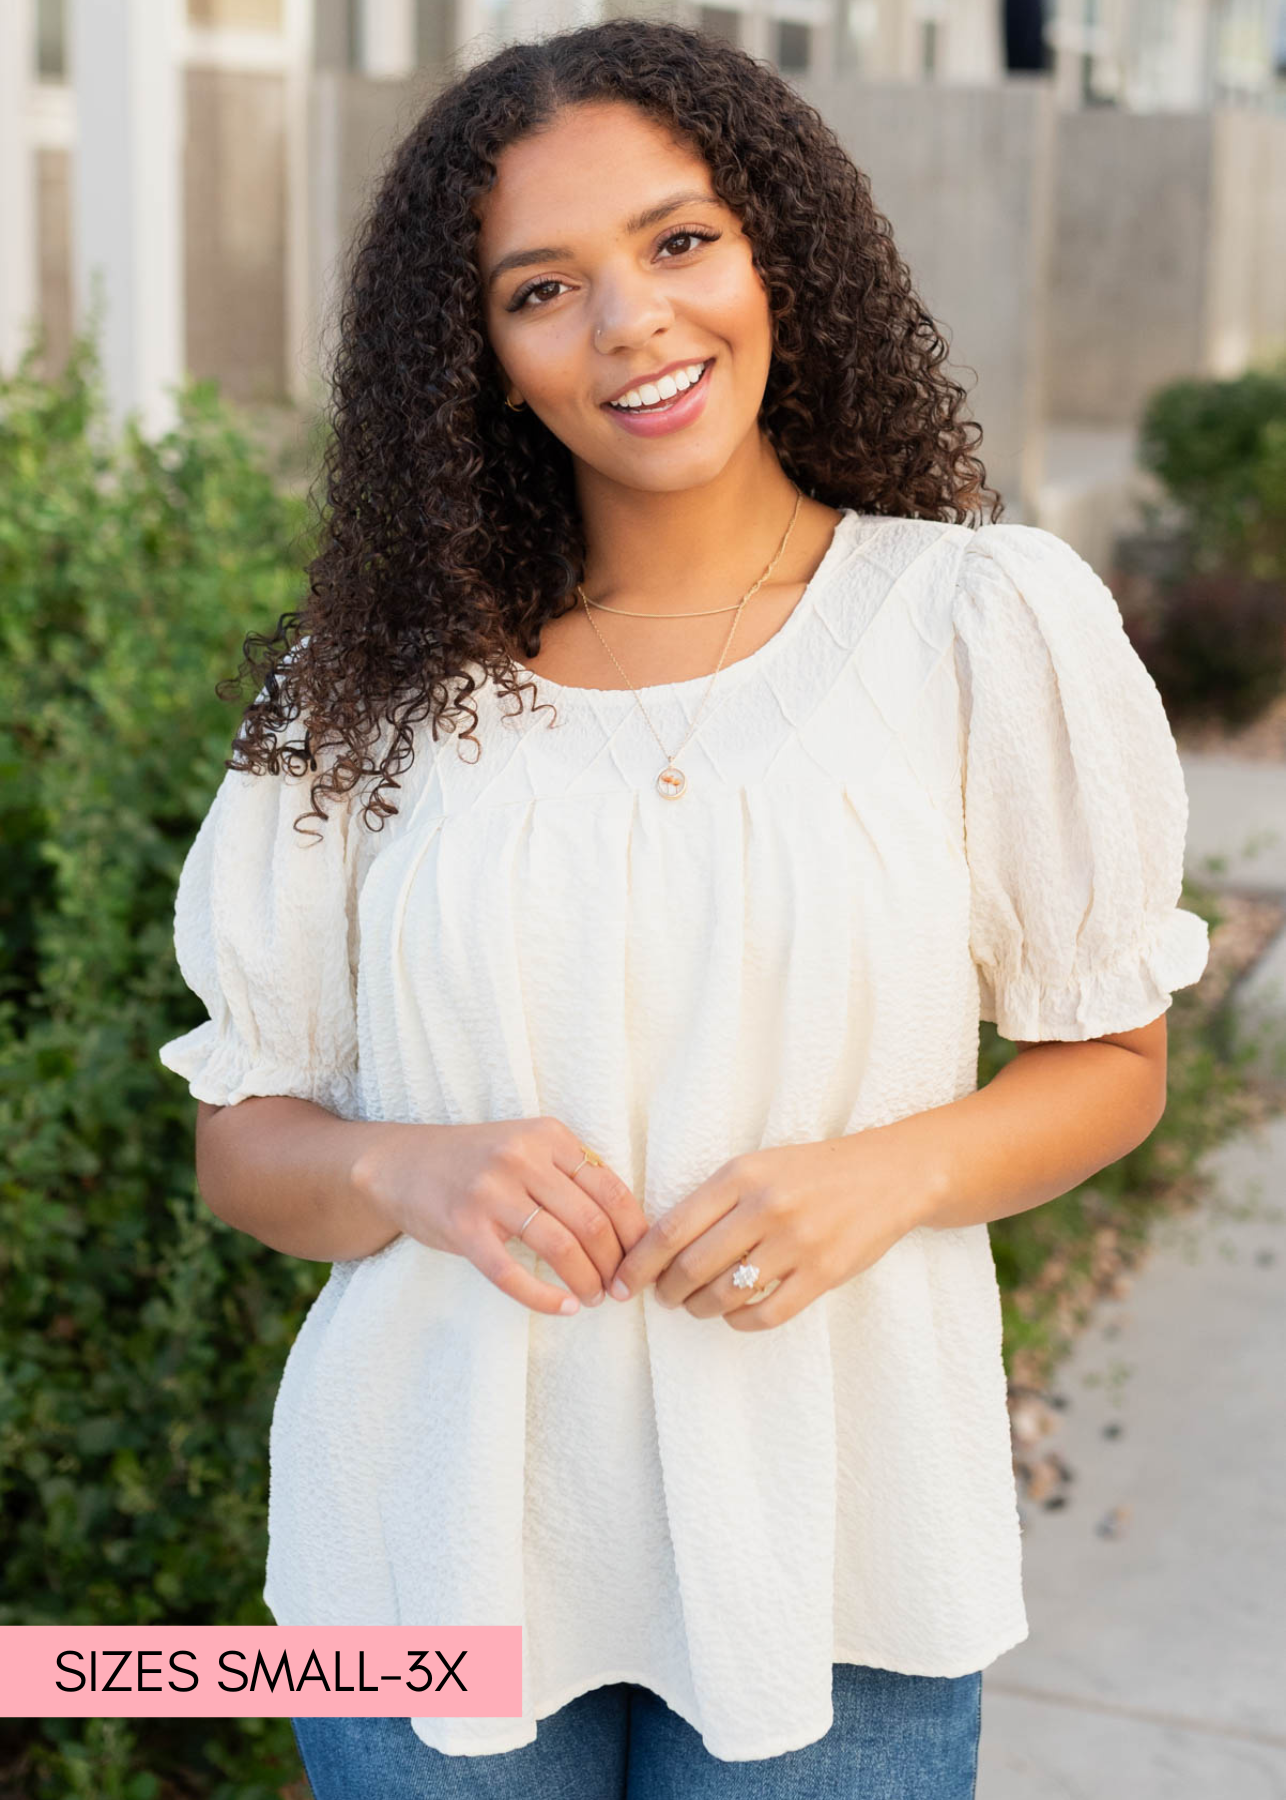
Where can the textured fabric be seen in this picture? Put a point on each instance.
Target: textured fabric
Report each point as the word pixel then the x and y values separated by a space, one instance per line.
pixel 944 790
pixel 1075 805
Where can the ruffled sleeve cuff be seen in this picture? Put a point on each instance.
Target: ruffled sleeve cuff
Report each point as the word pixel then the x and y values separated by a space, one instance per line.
pixel 219 1069
pixel 1130 991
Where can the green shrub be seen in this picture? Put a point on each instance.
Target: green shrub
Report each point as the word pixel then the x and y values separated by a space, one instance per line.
pixel 1219 449
pixel 1209 616
pixel 141 1339
pixel 1211 1095
pixel 1214 641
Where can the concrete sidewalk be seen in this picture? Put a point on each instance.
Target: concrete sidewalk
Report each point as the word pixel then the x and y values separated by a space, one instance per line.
pixel 1156 1664
pixel 1237 817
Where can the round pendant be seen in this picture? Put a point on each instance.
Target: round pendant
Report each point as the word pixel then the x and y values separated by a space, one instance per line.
pixel 671 782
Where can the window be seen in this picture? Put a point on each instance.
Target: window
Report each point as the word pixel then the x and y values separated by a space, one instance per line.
pixel 721 22
pixel 794 45
pixel 929 47
pixel 1026 47
pixel 51 40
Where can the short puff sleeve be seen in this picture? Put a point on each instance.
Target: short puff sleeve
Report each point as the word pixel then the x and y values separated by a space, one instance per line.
pixel 1074 801
pixel 264 934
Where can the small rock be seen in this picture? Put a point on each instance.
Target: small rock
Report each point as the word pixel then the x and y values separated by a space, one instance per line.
pixel 1113 1523
pixel 1031 1420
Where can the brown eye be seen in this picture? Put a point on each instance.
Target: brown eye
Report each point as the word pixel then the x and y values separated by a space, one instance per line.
pixel 533 287
pixel 704 237
pixel 692 233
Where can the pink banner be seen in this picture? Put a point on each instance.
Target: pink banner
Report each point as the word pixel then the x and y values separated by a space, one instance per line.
pixel 260 1671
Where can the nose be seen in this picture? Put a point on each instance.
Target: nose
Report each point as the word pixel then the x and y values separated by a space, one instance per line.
pixel 631 309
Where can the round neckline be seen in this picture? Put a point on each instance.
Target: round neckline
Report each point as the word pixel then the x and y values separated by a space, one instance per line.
pixel 789 627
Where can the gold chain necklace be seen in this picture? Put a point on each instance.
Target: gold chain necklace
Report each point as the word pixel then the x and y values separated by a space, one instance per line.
pixel 702 612
pixel 672 781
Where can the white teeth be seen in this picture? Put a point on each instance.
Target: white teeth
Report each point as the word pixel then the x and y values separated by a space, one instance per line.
pixel 654 393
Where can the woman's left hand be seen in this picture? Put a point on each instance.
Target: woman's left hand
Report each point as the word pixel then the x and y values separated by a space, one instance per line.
pixel 809 1216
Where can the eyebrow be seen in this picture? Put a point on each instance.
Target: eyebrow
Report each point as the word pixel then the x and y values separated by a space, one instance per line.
pixel 652 215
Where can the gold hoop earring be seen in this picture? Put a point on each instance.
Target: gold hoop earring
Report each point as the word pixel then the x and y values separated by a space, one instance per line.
pixel 509 403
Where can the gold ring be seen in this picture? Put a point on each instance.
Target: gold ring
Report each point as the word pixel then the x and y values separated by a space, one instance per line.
pixel 590 1156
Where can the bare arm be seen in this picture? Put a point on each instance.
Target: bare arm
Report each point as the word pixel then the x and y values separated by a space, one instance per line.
pixel 282 1170
pixel 335 1190
pixel 1054 1115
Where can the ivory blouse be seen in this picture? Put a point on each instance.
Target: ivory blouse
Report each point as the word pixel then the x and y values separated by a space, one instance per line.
pixel 945 790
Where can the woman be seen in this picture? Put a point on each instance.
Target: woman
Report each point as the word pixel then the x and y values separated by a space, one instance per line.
pixel 678 999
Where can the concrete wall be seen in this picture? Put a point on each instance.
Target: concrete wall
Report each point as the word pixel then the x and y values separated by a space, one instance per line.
pixel 1246 272
pixel 234 230
pixel 965 177
pixel 1169 254
pixel 1131 202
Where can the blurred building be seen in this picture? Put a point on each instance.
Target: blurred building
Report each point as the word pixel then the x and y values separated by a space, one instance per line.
pixel 1091 193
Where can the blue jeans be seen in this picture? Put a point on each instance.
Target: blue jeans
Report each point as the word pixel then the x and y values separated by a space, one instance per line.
pixel 895 1737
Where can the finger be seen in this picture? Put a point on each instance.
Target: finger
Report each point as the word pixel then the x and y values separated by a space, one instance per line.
pixel 557 1244
pixel 709 1259
pixel 595 1222
pixel 791 1295
pixel 671 1234
pixel 722 1293
pixel 618 1201
pixel 489 1255
pixel 591 1223
pixel 606 1187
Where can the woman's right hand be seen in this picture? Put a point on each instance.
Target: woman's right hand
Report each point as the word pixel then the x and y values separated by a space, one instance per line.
pixel 468 1188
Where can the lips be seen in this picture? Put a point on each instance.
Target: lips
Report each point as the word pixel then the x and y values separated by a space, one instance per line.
pixel 702 362
pixel 668 417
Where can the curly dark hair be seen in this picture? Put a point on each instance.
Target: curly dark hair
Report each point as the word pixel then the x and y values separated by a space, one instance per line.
pixel 450 530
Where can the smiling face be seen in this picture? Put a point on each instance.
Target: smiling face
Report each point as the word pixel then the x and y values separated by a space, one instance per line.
pixel 606 258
